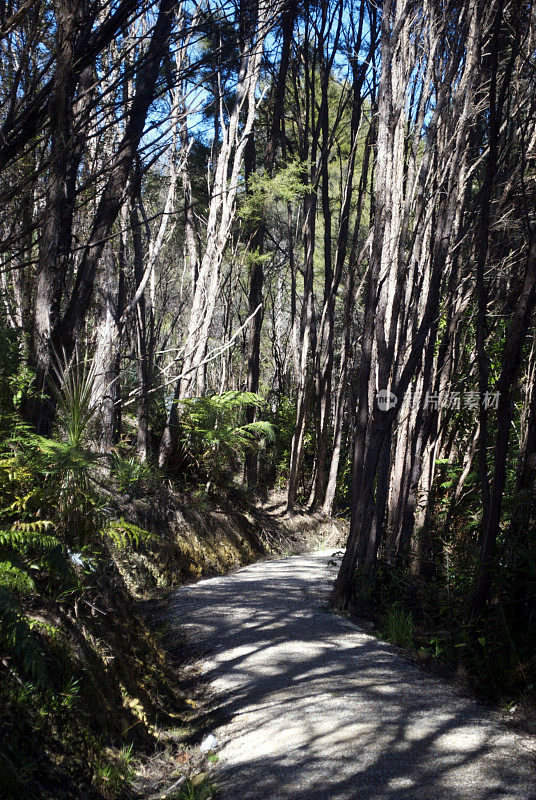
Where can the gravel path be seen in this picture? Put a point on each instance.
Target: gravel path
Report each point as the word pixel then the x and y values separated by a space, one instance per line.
pixel 313 708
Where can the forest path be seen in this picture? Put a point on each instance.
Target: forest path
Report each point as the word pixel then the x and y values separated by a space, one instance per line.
pixel 313 708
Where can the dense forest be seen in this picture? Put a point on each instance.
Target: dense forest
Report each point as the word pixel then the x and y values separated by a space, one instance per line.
pixel 270 249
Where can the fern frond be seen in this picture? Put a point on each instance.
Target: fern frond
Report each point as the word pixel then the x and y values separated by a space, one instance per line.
pixel 36 526
pixel 16 636
pixel 259 430
pixel 123 533
pixel 213 433
pixel 14 578
pixel 63 456
pixel 18 539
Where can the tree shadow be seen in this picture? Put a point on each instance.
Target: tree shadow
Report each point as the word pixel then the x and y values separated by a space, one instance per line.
pixel 312 707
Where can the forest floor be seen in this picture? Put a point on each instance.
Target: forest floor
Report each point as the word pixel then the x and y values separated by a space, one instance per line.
pixel 306 704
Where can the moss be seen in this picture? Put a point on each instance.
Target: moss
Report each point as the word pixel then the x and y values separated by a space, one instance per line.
pixel 188 542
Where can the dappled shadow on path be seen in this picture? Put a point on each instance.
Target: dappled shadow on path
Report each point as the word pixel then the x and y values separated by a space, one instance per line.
pixel 311 707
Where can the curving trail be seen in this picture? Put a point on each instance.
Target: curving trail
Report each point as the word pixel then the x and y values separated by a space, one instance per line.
pixel 316 709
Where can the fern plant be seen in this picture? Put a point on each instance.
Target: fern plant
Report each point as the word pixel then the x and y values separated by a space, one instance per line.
pixel 29 553
pixel 130 473
pixel 47 507
pixel 213 436
pixel 50 513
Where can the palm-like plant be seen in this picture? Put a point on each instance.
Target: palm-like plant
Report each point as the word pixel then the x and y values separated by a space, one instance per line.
pixel 74 391
pixel 68 461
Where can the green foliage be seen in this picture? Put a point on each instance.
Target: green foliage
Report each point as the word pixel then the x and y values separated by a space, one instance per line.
pixel 38 475
pixel 68 463
pixel 213 436
pixel 343 488
pixel 15 379
pixel 437 646
pixel 13 779
pixel 123 533
pixel 30 549
pixel 16 638
pixel 285 186
pixel 398 628
pixel 8 369
pixel 130 473
pixel 283 421
pixel 48 506
pixel 198 788
pixel 74 390
pixel 384 586
pixel 114 775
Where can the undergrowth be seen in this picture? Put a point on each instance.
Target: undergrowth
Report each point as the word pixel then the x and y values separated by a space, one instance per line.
pixel 428 614
pixel 82 681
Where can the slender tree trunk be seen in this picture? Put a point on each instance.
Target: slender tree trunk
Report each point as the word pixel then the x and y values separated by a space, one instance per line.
pixel 349 303
pixel 144 366
pixel 255 301
pixel 106 394
pixel 256 280
pixel 307 324
pixel 510 363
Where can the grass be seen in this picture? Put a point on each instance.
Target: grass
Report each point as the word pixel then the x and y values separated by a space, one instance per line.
pixel 398 628
pixel 198 788
pixel 113 778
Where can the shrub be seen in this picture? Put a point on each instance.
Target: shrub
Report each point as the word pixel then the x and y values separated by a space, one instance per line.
pixel 283 420
pixel 31 550
pixel 50 514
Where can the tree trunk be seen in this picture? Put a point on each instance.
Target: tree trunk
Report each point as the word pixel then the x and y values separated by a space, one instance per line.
pixel 57 335
pixel 105 391
pixel 510 363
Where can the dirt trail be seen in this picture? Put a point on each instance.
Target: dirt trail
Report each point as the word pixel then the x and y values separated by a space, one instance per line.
pixel 316 709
